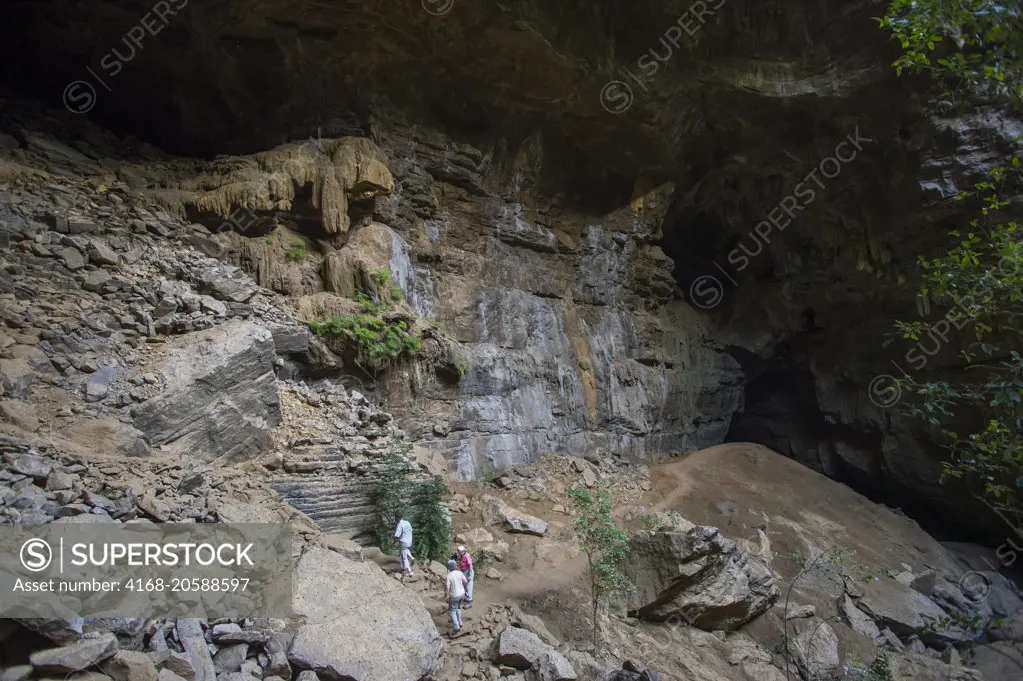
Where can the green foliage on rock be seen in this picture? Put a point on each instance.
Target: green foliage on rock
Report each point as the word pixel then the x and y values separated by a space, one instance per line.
pixel 878 670
pixel 976 48
pixel 980 281
pixel 400 491
pixel 973 47
pixel 376 342
pixel 295 252
pixel 606 547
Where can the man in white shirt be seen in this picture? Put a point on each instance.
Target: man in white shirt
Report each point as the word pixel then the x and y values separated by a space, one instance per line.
pixel 403 533
pixel 454 592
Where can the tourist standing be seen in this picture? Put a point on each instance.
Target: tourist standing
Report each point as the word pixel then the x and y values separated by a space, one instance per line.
pixel 454 592
pixel 403 533
pixel 465 565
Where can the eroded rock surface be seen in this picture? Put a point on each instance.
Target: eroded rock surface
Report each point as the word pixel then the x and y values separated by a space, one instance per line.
pixel 221 398
pixel 697 574
pixel 389 636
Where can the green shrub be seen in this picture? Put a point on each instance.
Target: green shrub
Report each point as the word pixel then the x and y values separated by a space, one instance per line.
pixel 376 342
pixel 382 276
pixel 606 547
pixel 295 252
pixel 878 670
pixel 650 522
pixel 396 293
pixel 432 539
pixel 398 492
pixel 367 304
pixel 390 494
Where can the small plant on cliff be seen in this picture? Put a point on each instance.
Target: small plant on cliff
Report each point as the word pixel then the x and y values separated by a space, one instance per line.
pixel 606 548
pixel 295 252
pixel 382 276
pixel 650 522
pixel 878 670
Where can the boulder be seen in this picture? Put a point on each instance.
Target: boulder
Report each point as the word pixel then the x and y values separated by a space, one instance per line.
pixel 130 665
pixel 497 512
pixel 18 672
pixel 221 400
pixel 698 574
pixel 21 414
pixel 913 667
pixel 908 612
pixel 75 656
pixel 190 635
pixel 32 466
pixel 999 661
pixel 389 637
pixel 179 664
pixel 520 649
pixel 167 675
pixel 16 375
pixel 229 658
pixel 857 619
pixel 60 631
pixel 1009 629
pixel 555 667
pixel 631 672
pixel 815 649
pixel 277 662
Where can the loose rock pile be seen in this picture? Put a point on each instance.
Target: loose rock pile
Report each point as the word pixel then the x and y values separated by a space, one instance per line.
pixel 41 484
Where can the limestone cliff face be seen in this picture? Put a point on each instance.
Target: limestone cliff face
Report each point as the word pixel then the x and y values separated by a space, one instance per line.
pixel 563 318
pixel 571 329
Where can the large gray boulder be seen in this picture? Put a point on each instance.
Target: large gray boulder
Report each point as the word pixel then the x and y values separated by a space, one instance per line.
pixel 555 667
pixel 192 639
pixel 519 648
pixel 815 649
pixel 130 665
pixel 999 661
pixel 497 512
pixel 359 624
pixel 913 667
pixel 857 619
pixel 694 572
pixel 75 656
pixel 908 612
pixel 221 400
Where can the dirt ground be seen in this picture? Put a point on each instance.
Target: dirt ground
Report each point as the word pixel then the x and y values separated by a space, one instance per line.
pixel 747 491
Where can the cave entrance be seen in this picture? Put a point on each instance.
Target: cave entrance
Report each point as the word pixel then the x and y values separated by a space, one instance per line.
pixel 692 242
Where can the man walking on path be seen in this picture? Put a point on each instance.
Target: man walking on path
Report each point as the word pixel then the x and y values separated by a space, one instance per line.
pixel 465 565
pixel 454 592
pixel 403 533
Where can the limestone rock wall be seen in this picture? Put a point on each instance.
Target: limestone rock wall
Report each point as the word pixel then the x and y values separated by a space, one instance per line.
pixel 570 334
